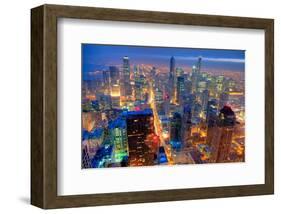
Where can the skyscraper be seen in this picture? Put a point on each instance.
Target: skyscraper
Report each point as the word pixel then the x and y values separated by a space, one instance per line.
pixel 126 68
pixel 188 87
pixel 186 123
pixel 212 111
pixel 205 99
pixel 180 89
pixel 221 141
pixel 199 65
pixel 127 90
pixel 172 66
pixel 118 136
pixel 139 126
pixel 172 78
pixel 114 75
pixel 106 81
pixel 175 130
pixel 196 69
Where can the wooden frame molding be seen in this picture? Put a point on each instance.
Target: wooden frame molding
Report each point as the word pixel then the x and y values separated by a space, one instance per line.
pixel 44 106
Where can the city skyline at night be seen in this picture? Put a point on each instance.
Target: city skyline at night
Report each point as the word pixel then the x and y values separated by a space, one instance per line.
pixel 96 57
pixel 147 106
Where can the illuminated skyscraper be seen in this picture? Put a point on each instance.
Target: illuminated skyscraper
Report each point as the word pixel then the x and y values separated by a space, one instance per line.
pixel 126 68
pixel 106 81
pixel 186 123
pixel 221 141
pixel 114 75
pixel 212 113
pixel 205 99
pixel 172 78
pixel 139 126
pixel 198 66
pixel 158 95
pixel 118 136
pixel 219 84
pixel 172 66
pixel 195 75
pixel 176 131
pixel 188 87
pixel 159 101
pixel 180 89
pixel 127 90
pixel 136 71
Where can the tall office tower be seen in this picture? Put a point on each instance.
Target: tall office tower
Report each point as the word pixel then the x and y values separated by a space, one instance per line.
pixel 190 99
pixel 196 111
pixel 195 75
pixel 136 71
pixel 194 78
pixel 140 82
pixel 186 123
pixel 188 86
pixel 158 95
pixel 118 136
pixel 159 101
pixel 138 88
pixel 176 131
pixel 172 78
pixel 211 120
pixel 219 85
pixel 205 99
pixel 222 137
pixel 223 99
pixel 126 76
pixel 114 75
pixel 106 81
pixel 180 90
pixel 126 68
pixel 140 124
pixel 172 66
pixel 212 86
pixel 115 96
pixel 212 113
pixel 198 66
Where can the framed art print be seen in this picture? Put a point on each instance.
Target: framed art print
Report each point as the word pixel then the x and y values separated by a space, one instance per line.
pixel 139 106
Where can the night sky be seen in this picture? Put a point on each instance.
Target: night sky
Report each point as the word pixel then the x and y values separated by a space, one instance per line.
pixel 98 57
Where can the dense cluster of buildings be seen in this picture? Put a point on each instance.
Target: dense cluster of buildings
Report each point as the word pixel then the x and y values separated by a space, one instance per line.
pixel 140 115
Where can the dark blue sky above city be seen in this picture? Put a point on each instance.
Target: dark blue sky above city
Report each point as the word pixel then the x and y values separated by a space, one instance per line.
pixel 98 57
